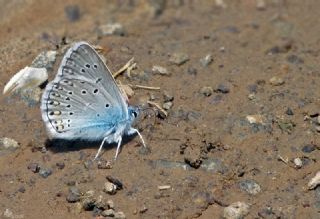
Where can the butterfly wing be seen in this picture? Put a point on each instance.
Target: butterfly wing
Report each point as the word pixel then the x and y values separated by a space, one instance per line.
pixel 83 101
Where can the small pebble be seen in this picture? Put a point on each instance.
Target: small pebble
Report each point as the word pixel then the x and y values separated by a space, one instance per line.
pixel 237 210
pixel 45 59
pixel 207 60
pixel 167 105
pixel 102 164
pixel 88 203
pixel 22 189
pixel 222 89
pixel 156 69
pixel 294 59
pixel 298 162
pixel 119 215
pixel 60 165
pixel 201 199
pixel 73 195
pixel 250 186
pixel 45 172
pixel 255 119
pixel 126 49
pixel 115 181
pixel 260 4
pixel 34 167
pixel 206 91
pixel 8 213
pixel 72 12
pixel 192 116
pixel 108 213
pixel 110 188
pixel 8 144
pixel 77 208
pixel 110 204
pixel 276 81
pixel 289 112
pixel 192 71
pixel 100 203
pixel 179 58
pixel 252 96
pixel 143 210
pixel 308 148
pixel 167 96
pixel 157 7
pixel 111 29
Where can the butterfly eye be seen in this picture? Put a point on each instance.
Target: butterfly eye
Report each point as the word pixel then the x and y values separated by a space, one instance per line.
pixel 135 114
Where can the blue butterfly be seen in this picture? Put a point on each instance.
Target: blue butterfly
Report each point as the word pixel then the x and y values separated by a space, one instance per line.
pixel 83 102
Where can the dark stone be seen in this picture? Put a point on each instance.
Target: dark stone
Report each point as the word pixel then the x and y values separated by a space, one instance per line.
pixel 250 186
pixel 289 112
pixel 22 189
pixel 72 12
pixel 252 88
pixel 193 162
pixel 214 165
pixel 73 195
pixel 193 116
pixel 88 204
pixel 222 89
pixel 45 172
pixel 34 167
pixel 192 71
pixel 115 181
pixel 294 59
pixel 308 148
pixel 216 99
pixel 60 165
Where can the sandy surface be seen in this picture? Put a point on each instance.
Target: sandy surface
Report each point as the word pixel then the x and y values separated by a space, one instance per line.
pixel 251 162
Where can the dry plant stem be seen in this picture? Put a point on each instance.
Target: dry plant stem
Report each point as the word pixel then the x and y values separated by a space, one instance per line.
pixel 143 87
pixel 130 65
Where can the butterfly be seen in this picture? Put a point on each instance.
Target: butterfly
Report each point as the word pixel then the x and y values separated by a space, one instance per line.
pixel 83 102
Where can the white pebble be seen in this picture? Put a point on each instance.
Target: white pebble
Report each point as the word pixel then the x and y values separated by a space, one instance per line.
pixel 236 210
pixel 110 188
pixel 255 119
pixel 28 77
pixel 315 181
pixel 160 70
pixel 8 143
pixel 298 162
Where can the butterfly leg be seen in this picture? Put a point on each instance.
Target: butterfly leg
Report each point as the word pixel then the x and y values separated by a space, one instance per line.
pixel 118 147
pixel 100 148
pixel 133 130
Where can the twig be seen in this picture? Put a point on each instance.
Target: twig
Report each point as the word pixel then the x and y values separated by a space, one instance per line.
pixel 143 87
pixel 129 66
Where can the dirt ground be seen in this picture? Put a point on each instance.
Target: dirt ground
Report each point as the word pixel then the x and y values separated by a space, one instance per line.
pixel 243 126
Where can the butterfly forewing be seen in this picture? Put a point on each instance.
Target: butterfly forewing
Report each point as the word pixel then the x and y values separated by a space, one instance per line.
pixel 83 101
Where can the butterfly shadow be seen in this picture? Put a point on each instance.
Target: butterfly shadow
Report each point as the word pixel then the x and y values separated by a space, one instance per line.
pixel 62 145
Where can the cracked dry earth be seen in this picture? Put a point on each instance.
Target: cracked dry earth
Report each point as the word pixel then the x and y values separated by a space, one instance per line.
pixel 239 82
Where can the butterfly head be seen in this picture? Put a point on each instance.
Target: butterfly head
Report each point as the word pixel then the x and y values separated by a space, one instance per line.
pixel 133 112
